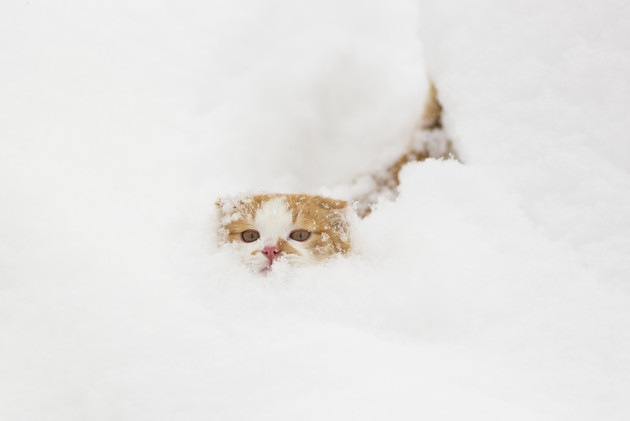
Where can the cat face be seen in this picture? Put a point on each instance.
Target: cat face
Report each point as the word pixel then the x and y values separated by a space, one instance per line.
pixel 297 228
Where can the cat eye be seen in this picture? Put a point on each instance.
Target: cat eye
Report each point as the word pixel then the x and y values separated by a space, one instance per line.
pixel 300 235
pixel 250 235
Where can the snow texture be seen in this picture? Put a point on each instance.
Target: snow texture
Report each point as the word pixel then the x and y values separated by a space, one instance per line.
pixel 495 289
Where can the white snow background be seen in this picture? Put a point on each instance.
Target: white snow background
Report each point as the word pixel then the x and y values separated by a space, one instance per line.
pixel 496 289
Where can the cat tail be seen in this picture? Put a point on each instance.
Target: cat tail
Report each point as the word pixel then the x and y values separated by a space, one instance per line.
pixel 428 139
pixel 431 118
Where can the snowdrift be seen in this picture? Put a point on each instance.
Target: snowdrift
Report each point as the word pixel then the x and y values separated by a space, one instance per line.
pixel 493 288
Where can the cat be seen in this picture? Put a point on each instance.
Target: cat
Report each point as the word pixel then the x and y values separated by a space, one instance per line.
pixel 296 228
pixel 301 228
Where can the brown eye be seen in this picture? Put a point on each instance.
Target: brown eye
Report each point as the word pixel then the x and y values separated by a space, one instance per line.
pixel 250 235
pixel 300 235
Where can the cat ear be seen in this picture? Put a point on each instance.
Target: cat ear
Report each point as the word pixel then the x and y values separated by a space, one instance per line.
pixel 218 204
pixel 327 203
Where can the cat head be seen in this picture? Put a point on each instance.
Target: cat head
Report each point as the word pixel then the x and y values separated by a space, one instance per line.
pixel 297 228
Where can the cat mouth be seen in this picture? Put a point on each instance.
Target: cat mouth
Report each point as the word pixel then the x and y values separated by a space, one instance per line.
pixel 268 266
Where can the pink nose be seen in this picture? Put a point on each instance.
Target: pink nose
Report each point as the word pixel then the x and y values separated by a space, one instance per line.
pixel 271 252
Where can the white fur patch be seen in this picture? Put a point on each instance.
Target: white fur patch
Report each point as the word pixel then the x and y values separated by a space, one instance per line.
pixel 274 220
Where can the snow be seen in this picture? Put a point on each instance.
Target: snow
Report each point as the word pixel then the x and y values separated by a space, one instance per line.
pixel 491 289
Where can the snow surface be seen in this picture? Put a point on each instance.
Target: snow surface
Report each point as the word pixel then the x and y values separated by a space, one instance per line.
pixel 495 289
